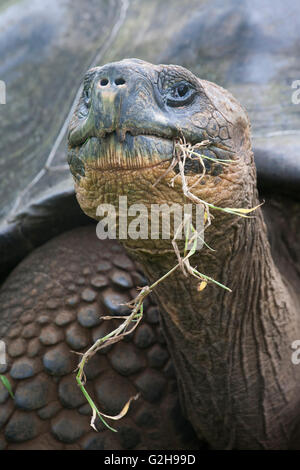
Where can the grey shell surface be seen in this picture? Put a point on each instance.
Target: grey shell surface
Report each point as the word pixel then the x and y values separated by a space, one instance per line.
pixel 249 47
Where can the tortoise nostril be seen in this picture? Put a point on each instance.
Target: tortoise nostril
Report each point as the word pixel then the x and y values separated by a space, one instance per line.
pixel 103 82
pixel 120 81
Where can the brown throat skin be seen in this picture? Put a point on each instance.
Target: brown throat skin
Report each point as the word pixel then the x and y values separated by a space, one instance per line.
pixel 231 351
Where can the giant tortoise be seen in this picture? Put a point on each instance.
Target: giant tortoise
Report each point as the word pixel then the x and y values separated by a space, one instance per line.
pixel 212 368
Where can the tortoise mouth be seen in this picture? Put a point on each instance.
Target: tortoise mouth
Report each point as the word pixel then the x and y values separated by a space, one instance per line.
pixel 111 153
pixel 126 168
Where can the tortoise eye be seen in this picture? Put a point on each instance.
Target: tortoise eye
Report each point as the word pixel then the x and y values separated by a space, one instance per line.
pixel 180 94
pixel 182 90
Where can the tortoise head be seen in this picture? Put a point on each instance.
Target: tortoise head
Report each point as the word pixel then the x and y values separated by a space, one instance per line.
pixel 128 121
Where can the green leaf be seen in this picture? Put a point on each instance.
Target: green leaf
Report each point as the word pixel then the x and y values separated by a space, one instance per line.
pixel 203 276
pixel 7 385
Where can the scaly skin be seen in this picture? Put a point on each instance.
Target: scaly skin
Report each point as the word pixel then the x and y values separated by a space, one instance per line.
pixel 232 351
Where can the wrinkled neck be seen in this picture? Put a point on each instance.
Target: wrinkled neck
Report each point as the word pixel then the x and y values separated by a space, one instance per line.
pixel 241 260
pixel 231 350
